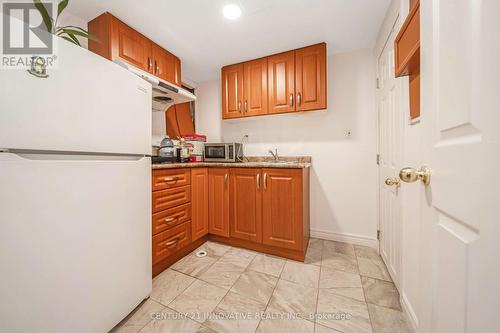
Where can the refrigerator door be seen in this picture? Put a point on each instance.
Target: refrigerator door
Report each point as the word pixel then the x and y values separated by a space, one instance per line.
pixel 75 241
pixel 87 104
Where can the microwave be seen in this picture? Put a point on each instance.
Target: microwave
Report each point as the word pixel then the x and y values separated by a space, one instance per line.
pixel 223 152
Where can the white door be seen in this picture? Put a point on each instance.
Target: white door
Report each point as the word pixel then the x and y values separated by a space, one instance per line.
pixel 390 108
pixel 460 243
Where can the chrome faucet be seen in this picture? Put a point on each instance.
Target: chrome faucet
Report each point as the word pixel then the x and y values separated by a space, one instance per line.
pixel 275 154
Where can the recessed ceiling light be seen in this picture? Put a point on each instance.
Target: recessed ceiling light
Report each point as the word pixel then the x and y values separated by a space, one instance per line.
pixel 231 11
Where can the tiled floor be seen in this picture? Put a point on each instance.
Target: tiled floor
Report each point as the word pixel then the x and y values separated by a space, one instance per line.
pixel 339 288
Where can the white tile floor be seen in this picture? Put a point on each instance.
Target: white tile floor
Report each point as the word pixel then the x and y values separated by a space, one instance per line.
pixel 339 288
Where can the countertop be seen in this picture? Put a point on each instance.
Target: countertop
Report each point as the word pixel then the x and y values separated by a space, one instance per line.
pixel 285 162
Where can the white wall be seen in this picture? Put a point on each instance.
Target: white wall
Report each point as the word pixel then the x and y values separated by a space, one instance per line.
pixel 344 173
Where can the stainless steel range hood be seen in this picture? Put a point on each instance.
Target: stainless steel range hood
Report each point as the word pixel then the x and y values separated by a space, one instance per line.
pixel 165 93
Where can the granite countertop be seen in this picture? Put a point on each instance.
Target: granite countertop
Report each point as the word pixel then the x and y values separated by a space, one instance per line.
pixel 296 162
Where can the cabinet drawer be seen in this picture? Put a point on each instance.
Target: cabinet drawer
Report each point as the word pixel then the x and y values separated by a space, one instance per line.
pixel 171 217
pixel 170 178
pixel 172 197
pixel 171 241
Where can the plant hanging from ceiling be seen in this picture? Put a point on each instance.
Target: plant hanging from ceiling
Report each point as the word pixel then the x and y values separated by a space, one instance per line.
pixel 71 33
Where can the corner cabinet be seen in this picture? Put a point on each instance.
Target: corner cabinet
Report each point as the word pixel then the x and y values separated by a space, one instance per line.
pixel 116 40
pixel 292 81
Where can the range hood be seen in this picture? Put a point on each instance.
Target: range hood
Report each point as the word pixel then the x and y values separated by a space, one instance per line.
pixel 165 93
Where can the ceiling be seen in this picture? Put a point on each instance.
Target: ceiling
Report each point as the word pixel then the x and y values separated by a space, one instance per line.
pixel 196 31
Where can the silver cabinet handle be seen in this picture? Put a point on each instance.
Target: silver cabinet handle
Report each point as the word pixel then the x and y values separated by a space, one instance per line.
pixel 157 68
pixel 258 182
pixel 246 106
pixel 299 99
pixel 291 99
pixel 170 219
pixel 239 106
pixel 265 181
pixel 150 64
pixel 226 177
pixel 170 179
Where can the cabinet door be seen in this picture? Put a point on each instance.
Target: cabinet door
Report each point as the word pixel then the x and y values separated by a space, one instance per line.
pixel 310 77
pixel 130 46
pixel 177 71
pixel 171 123
pixel 246 204
pixel 282 208
pixel 218 201
pixel 166 65
pixel 281 82
pixel 255 87
pixel 184 118
pixel 199 202
pixel 232 91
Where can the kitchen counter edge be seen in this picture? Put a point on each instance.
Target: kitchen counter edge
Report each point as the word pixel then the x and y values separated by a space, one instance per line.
pixel 297 165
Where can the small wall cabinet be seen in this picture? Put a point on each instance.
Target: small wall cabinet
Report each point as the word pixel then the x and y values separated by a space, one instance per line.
pixel 286 82
pixel 407 55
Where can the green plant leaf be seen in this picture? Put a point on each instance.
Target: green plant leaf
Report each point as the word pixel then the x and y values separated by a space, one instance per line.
pixel 61 6
pixel 80 32
pixel 72 38
pixel 69 39
pixel 45 15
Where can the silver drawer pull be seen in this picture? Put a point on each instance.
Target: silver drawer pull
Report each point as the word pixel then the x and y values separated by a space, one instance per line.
pixel 170 219
pixel 171 179
pixel 172 242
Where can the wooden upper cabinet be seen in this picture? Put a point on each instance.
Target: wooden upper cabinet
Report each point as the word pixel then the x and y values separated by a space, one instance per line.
pixel 218 201
pixel 116 40
pixel 166 65
pixel 407 44
pixel 281 82
pixel 232 91
pixel 282 208
pixel 199 202
pixel 310 77
pixel 130 46
pixel 255 87
pixel 407 55
pixel 246 204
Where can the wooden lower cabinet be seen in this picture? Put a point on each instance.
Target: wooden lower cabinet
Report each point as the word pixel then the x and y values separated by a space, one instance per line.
pixel 199 201
pixel 282 208
pixel 245 207
pixel 218 201
pixel 265 210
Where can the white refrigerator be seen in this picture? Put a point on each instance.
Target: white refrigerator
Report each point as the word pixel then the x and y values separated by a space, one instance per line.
pixel 75 195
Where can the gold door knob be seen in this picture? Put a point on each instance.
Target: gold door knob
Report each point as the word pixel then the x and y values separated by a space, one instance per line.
pixel 392 182
pixel 410 175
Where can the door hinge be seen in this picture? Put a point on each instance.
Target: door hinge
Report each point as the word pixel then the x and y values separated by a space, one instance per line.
pixel 378 84
pixel 378 159
pixel 378 234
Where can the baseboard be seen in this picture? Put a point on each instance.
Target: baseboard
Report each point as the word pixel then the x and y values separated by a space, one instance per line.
pixel 409 313
pixel 344 237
